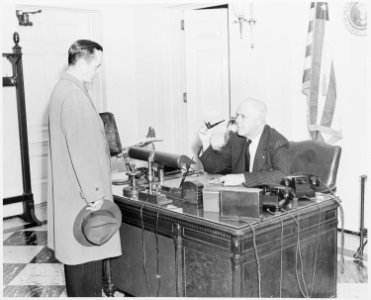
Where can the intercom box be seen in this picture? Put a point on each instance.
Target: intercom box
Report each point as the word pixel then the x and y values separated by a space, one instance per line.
pixel 190 192
pixel 240 204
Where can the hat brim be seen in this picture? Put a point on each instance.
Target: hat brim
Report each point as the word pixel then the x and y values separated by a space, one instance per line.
pixel 109 206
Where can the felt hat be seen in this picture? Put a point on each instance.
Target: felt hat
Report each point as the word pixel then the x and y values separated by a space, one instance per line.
pixel 97 227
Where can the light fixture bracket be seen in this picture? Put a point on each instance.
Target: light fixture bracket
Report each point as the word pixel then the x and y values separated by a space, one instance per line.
pixel 24 18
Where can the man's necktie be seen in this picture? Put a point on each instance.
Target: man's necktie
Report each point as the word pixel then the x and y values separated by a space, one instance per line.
pixel 247 156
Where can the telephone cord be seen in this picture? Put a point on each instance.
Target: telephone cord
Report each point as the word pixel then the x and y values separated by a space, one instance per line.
pixel 298 251
pixel 305 295
pixel 337 199
pixel 257 259
pixel 281 267
pixel 316 253
pixel 158 276
pixel 315 260
pixel 281 259
pixel 144 251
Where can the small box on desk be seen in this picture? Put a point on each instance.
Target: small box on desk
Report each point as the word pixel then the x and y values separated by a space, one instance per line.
pixel 240 204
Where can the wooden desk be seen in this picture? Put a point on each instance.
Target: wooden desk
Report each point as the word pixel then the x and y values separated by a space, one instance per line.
pixel 195 253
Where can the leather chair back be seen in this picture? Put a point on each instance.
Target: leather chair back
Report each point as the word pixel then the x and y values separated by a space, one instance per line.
pixel 112 133
pixel 315 158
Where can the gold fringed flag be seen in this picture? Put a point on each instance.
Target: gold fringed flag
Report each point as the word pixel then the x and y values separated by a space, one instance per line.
pixel 319 84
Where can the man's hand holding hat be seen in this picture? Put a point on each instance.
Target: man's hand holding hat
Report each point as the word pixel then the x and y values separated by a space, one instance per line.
pixel 97 222
pixel 94 206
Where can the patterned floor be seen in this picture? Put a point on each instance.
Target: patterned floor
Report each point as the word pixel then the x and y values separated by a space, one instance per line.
pixel 31 270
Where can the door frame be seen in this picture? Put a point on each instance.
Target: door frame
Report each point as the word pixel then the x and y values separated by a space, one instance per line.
pixel 183 126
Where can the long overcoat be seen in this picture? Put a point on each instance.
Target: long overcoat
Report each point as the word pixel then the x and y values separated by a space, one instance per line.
pixel 79 170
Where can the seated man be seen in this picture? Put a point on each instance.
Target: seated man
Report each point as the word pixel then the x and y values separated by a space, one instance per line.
pixel 255 154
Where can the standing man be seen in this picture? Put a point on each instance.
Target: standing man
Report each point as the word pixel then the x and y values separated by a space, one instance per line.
pixel 80 173
pixel 255 154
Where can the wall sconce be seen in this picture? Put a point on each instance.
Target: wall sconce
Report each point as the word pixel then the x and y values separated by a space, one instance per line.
pixel 242 10
pixel 24 18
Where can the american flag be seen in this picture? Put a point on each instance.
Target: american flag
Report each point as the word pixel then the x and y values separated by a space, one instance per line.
pixel 319 82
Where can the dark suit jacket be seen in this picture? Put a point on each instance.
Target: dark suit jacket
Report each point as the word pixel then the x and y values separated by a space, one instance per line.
pixel 270 163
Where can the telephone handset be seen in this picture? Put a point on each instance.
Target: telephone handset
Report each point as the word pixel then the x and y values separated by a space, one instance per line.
pixel 276 196
pixel 304 185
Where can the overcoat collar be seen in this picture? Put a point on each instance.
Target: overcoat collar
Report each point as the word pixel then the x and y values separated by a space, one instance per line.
pixel 70 77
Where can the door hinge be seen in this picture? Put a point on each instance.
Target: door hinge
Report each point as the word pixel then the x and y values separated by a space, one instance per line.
pixel 182 24
pixel 185 97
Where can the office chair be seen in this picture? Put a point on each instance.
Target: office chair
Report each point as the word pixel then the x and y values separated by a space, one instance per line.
pixel 118 176
pixel 112 133
pixel 316 158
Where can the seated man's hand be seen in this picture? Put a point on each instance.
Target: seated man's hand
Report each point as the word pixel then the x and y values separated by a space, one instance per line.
pixel 232 179
pixel 205 136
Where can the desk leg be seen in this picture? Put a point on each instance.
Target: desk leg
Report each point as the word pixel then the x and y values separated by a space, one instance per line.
pixel 178 260
pixel 236 268
pixel 108 287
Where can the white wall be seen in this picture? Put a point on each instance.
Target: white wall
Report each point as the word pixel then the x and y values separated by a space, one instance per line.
pixel 142 69
pixel 11 168
pixel 273 70
pixel 119 69
pixel 351 70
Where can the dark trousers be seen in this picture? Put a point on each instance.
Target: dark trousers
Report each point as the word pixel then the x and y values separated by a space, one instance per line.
pixel 84 280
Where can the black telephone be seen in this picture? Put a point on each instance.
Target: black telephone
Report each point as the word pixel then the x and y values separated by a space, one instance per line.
pixel 304 185
pixel 275 196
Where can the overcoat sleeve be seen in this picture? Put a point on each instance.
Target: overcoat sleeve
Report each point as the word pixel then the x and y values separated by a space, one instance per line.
pixel 81 139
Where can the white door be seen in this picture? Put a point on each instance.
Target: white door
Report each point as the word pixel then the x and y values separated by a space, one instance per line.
pixel 207 72
pixel 44 46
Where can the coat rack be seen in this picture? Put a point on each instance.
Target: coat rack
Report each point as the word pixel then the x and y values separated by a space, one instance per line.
pixel 16 80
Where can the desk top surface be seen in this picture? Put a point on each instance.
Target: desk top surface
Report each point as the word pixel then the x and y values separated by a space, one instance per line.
pixel 210 210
